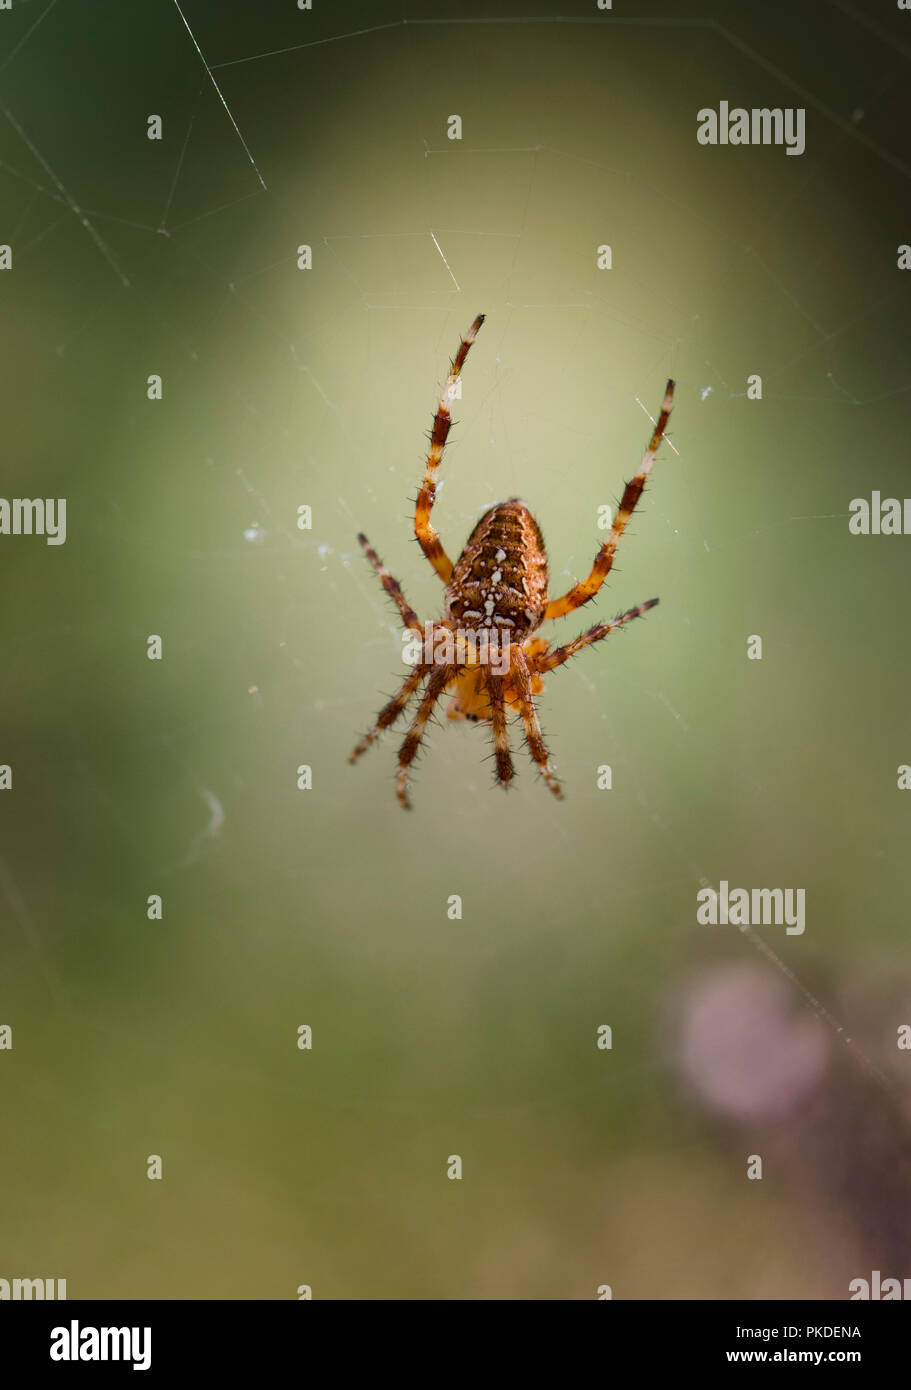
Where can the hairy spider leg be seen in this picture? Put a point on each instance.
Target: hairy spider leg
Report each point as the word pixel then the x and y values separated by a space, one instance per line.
pixel 549 661
pixel 390 713
pixel 533 736
pixel 436 684
pixel 392 586
pixel 427 537
pixel 495 686
pixel 586 589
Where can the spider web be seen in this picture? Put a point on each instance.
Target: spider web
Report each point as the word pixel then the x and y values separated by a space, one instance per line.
pixel 287 387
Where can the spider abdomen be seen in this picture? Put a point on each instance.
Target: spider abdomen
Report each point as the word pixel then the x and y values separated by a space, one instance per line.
pixel 500 579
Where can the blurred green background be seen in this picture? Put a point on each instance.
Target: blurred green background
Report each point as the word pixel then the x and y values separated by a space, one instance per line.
pixel 284 388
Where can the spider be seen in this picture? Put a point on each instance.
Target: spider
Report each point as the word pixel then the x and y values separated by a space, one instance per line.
pixel 496 599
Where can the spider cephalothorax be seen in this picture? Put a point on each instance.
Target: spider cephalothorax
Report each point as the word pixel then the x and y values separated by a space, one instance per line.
pixel 484 651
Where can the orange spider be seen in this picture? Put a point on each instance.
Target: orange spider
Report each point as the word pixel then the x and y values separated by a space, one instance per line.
pixel 485 650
